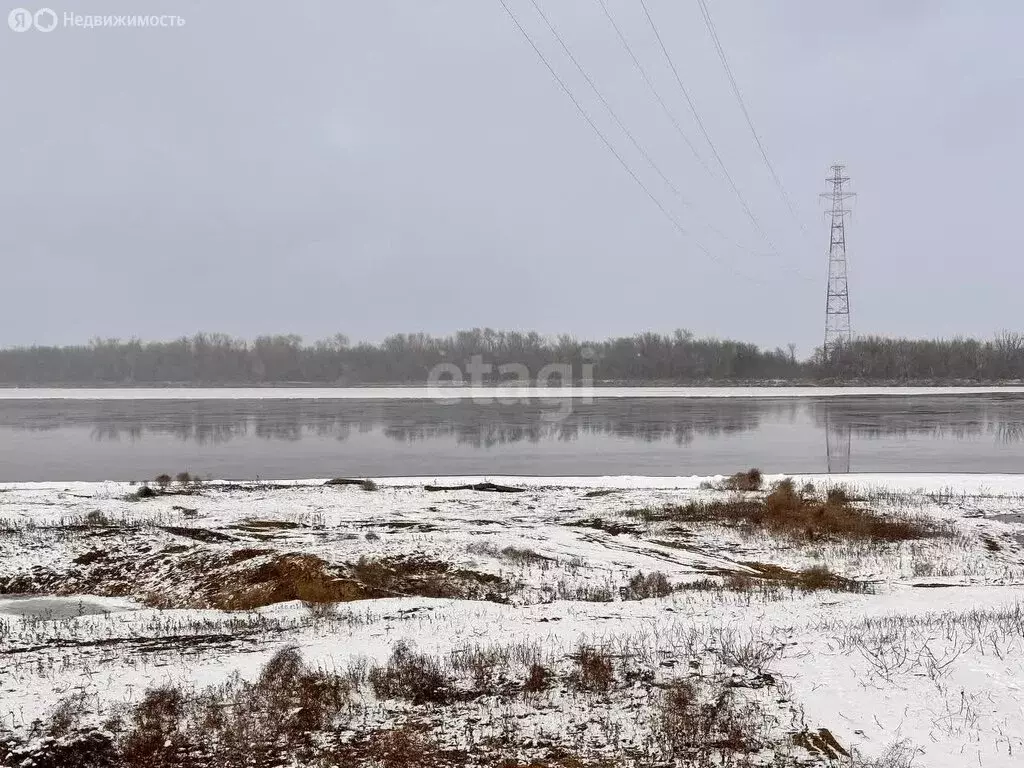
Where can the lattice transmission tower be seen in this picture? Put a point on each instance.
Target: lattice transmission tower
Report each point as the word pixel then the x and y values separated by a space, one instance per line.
pixel 837 297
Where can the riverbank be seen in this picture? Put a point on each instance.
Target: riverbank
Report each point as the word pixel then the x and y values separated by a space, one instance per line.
pixel 487 393
pixel 536 618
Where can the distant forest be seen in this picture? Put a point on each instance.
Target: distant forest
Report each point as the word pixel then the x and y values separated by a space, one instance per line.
pixel 680 358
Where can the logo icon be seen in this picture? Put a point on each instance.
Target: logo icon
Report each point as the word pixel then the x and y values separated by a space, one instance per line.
pixel 45 19
pixel 20 20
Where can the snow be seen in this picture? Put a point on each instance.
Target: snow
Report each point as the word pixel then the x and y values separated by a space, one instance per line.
pixel 934 482
pixel 479 393
pixel 935 656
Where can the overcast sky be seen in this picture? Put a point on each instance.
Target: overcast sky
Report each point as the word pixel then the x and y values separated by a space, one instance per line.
pixel 380 166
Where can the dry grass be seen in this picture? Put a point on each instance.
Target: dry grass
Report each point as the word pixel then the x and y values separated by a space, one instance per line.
pixel 770 581
pixel 411 676
pixel 366 485
pixel 313 581
pixel 641 587
pixel 238 724
pixel 271 721
pixel 404 747
pixel 537 679
pixel 785 511
pixel 705 724
pixel 97 518
pixel 424 577
pixel 296 715
pixel 281 578
pixel 900 754
pixel 517 555
pixel 751 480
pixel 813 579
pixel 208 575
pixel 595 670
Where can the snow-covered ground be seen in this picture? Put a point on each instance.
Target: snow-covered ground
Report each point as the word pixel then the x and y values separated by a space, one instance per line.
pixel 929 657
pixel 485 393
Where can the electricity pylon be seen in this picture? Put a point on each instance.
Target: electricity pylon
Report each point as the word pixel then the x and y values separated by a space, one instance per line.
pixel 837 296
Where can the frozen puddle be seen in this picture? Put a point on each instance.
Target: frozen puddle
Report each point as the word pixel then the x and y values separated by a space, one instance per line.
pixel 36 607
pixel 1010 517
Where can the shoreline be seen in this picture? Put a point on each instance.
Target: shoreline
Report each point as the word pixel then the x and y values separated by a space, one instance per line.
pixel 967 483
pixel 490 393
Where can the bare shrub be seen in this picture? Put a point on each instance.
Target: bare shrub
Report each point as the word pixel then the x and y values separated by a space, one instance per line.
pixel 163 480
pixel 156 737
pixel 594 670
pixel 751 480
pixel 183 478
pixel 98 518
pixel 142 492
pixel 706 725
pixel 538 678
pixel 412 676
pixel 752 653
pixel 641 587
pixel 483 663
pixel 837 495
pixel 301 700
pixel 67 716
pixel 405 747
pixel 89 749
pixel 266 722
pixel 586 593
pixel 900 754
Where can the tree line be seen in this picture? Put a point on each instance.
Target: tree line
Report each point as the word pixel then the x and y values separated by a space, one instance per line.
pixel 679 358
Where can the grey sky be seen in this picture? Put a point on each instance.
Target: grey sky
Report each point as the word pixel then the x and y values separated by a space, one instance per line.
pixel 380 166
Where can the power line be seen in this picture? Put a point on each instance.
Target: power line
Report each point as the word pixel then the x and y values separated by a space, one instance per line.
pixel 618 121
pixel 611 111
pixel 710 24
pixel 672 118
pixel 653 89
pixel 583 113
pixel 704 131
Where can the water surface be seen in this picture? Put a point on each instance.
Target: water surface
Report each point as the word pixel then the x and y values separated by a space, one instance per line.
pixel 296 438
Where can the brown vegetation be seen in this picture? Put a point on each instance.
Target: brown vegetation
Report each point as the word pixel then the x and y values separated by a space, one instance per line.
pixel 366 485
pixel 594 670
pixel 792 513
pixel 751 480
pixel 699 725
pixel 411 676
pixel 641 587
pixel 813 579
pixel 292 714
pixel 485 486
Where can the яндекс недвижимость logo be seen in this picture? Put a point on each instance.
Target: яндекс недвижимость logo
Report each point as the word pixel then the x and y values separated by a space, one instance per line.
pixel 22 20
